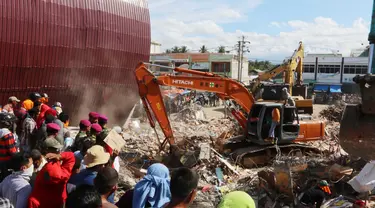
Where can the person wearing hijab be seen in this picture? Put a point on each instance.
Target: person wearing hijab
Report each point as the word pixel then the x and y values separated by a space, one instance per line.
pixel 237 199
pixel 153 188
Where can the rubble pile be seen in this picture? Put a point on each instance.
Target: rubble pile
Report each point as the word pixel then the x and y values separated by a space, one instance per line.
pixel 352 98
pixel 199 141
pixel 333 112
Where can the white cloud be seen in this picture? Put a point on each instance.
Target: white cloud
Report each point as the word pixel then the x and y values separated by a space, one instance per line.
pixel 193 25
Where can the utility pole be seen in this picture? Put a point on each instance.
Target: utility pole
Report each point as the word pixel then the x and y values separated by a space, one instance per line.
pixel 241 50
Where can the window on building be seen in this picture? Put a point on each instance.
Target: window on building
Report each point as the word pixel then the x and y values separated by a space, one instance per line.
pixel 220 67
pixel 355 69
pixel 329 69
pixel 309 68
pixel 162 69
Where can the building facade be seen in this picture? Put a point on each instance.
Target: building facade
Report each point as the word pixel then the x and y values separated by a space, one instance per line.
pixel 155 47
pixel 334 69
pixel 222 64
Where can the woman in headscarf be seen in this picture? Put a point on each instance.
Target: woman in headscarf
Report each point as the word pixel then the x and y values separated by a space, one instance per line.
pixel 237 199
pixel 153 189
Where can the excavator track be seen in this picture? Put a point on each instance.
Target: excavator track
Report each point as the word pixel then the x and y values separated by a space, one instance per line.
pixel 255 155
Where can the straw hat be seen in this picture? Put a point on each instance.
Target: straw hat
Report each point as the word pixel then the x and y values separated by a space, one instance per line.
pixel 96 155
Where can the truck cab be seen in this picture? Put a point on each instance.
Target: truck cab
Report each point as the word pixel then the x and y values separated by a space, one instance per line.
pixel 260 119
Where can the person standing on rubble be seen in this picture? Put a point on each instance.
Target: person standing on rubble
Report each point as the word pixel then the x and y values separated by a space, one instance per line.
pixel 315 196
pixel 287 97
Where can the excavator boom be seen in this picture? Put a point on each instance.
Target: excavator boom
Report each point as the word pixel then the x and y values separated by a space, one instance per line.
pixel 152 99
pixel 289 66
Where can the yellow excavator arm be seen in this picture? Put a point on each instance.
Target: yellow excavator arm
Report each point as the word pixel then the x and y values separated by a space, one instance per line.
pixel 289 66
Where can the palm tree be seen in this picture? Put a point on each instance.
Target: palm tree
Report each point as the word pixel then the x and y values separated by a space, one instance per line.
pixel 183 49
pixel 221 49
pixel 203 49
pixel 175 49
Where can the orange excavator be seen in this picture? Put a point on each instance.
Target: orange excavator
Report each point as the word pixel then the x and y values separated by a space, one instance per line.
pixel 254 117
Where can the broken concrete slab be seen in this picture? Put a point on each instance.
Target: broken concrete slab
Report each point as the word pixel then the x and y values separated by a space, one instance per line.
pixel 205 152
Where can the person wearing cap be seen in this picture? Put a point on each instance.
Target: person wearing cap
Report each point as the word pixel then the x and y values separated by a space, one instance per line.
pixel 51 117
pixel 287 97
pixel 95 160
pixel 93 117
pixel 94 132
pixel 51 182
pixel 315 196
pixel 84 128
pixel 103 120
pixel 29 102
pixel 12 104
pixel 57 107
pixel 52 130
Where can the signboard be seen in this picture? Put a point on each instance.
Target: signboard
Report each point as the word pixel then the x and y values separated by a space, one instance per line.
pixel 114 140
pixel 200 66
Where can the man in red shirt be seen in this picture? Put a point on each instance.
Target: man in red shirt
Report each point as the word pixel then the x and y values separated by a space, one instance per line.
pixel 50 184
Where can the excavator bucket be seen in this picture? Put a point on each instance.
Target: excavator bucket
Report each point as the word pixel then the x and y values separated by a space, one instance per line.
pixel 357 126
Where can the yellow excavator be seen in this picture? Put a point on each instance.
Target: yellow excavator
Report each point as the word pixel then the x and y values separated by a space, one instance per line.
pixel 293 84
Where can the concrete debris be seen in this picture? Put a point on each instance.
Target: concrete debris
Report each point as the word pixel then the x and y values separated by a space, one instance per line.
pixel 200 143
pixel 333 112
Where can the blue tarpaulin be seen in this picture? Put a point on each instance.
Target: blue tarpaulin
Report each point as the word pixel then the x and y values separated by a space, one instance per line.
pixel 335 88
pixel 321 88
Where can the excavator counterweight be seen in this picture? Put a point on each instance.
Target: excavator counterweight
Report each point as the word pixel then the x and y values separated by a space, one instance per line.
pixel 357 135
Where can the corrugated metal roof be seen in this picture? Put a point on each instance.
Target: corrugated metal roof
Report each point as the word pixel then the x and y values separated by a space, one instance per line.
pixel 65 48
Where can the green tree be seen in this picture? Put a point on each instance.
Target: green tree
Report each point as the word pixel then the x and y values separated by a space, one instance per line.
pixel 260 65
pixel 203 49
pixel 183 49
pixel 221 49
pixel 168 51
pixel 175 49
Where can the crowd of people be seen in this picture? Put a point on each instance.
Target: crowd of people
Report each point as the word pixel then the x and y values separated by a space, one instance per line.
pixel 42 166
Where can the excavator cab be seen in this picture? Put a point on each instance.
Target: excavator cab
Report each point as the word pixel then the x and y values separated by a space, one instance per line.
pixel 260 119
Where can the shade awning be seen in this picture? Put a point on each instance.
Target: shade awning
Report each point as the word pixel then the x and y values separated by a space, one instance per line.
pixel 335 89
pixel 321 88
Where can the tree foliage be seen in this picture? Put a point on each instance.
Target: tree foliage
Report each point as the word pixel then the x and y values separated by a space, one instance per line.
pixel 260 65
pixel 183 49
pixel 176 49
pixel 221 49
pixel 203 49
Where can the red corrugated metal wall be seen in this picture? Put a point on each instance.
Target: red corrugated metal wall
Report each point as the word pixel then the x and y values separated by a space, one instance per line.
pixel 77 51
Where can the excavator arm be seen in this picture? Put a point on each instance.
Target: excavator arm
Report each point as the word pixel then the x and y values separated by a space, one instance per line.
pixel 289 66
pixel 152 99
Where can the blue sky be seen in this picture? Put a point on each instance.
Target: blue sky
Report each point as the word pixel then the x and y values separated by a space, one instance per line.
pixel 273 26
